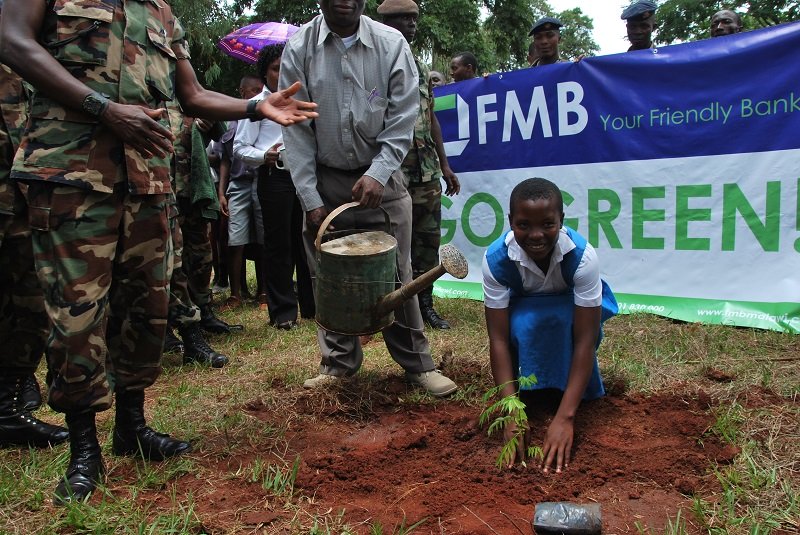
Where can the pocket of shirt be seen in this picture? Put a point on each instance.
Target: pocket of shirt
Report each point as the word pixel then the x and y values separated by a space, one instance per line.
pixel 82 31
pixel 369 112
pixel 161 61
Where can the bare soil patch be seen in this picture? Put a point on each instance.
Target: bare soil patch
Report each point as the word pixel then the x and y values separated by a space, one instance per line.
pixel 397 463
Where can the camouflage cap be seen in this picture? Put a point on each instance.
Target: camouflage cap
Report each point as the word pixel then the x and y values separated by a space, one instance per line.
pixel 643 9
pixel 398 7
pixel 544 24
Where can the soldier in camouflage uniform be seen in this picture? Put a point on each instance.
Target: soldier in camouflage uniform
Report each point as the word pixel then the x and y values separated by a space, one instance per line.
pixel 424 166
pixel 95 156
pixel 23 320
pixel 192 258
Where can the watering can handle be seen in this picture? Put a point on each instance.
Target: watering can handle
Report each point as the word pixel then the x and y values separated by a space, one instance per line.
pixel 336 212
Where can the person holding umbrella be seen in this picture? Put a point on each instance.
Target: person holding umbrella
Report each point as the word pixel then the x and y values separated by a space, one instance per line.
pixel 95 157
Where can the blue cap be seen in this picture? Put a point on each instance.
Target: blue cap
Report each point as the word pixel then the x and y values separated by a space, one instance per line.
pixel 545 23
pixel 639 8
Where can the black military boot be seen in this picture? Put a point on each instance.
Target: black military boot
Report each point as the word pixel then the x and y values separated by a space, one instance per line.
pixel 85 469
pixel 428 313
pixel 196 349
pixel 211 323
pixel 18 427
pixel 134 438
pixel 31 393
pixel 172 344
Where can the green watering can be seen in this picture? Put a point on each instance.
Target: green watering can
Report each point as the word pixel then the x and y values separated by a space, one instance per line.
pixel 356 285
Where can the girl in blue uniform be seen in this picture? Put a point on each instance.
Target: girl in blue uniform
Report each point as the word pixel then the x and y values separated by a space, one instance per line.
pixel 545 303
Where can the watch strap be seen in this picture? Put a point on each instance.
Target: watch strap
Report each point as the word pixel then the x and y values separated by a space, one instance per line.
pixel 252 112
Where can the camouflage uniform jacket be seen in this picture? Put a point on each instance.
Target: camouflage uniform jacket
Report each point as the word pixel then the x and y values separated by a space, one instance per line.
pixel 181 126
pixel 537 62
pixel 184 157
pixel 422 163
pixel 12 122
pixel 125 49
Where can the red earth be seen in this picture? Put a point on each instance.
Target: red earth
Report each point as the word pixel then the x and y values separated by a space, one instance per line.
pixel 395 463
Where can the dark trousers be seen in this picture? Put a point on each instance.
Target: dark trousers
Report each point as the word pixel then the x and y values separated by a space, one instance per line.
pixel 283 247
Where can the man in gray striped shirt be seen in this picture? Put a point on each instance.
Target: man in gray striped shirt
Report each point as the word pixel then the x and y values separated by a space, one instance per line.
pixel 362 76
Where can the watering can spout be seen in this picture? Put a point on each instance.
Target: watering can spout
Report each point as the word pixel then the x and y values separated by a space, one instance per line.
pixel 451 262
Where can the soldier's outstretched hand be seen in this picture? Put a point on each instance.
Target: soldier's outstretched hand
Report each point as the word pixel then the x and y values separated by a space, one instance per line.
pixel 283 109
pixel 138 127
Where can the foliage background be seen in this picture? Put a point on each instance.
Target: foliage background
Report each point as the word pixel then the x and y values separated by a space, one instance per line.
pixel 496 31
pixel 688 20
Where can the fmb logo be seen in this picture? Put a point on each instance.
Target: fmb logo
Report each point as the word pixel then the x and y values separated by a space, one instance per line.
pixel 455 102
pixel 513 115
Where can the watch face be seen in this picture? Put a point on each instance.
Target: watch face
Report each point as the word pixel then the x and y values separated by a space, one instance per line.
pixel 94 105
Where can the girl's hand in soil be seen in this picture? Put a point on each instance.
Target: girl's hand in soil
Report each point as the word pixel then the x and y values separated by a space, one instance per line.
pixel 557 444
pixel 522 445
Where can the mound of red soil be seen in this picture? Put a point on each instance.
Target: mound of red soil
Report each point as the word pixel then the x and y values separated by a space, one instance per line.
pixel 638 457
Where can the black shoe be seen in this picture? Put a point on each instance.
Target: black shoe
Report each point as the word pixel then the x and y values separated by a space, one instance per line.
pixel 285 325
pixel 429 315
pixel 212 324
pixel 132 437
pixel 85 468
pixel 172 344
pixel 196 349
pixel 18 427
pixel 31 393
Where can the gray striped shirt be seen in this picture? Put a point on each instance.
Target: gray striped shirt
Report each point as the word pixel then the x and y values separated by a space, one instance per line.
pixel 368 102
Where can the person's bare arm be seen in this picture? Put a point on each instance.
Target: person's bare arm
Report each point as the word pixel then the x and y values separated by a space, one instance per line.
pixel 497 325
pixel 20 50
pixel 558 439
pixel 222 187
pixel 450 178
pixel 199 102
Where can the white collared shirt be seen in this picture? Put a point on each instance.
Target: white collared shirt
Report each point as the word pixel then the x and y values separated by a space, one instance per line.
pixel 254 138
pixel 588 288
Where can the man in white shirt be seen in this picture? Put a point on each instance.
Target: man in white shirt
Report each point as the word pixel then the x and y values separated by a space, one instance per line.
pixel 258 144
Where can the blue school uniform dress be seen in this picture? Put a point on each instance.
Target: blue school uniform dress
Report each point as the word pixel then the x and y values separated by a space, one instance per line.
pixel 541 306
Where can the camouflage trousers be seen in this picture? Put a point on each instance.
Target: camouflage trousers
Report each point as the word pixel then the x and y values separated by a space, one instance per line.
pixel 426 224
pixel 104 260
pixel 23 321
pixel 190 287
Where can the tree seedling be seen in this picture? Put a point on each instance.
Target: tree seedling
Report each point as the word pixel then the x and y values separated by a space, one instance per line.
pixel 509 410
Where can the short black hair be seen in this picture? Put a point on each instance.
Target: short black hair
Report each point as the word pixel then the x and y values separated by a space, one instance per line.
pixel 468 58
pixel 737 16
pixel 533 189
pixel 267 55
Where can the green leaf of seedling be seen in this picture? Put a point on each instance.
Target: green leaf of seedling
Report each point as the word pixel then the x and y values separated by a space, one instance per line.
pixel 507 453
pixel 499 423
pixel 512 404
pixel 527 382
pixel 535 452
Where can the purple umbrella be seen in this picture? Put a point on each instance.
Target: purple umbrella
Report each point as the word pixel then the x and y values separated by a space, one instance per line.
pixel 245 43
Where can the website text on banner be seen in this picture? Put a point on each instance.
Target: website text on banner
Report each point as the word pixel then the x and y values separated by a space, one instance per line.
pixel 681 166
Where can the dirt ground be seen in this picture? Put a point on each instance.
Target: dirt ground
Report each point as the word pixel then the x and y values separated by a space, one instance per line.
pixel 640 457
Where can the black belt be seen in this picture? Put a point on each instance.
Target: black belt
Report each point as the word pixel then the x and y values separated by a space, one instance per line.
pixel 357 172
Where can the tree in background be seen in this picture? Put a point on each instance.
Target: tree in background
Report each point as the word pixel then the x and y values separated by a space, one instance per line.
pixel 206 21
pixel 508 25
pixel 688 20
pixel 576 35
pixel 499 40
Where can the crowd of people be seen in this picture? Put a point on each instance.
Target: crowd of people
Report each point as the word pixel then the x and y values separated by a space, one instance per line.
pixel 122 192
pixel 640 23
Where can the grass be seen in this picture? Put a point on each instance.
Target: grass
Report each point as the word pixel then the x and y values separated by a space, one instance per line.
pixel 641 353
